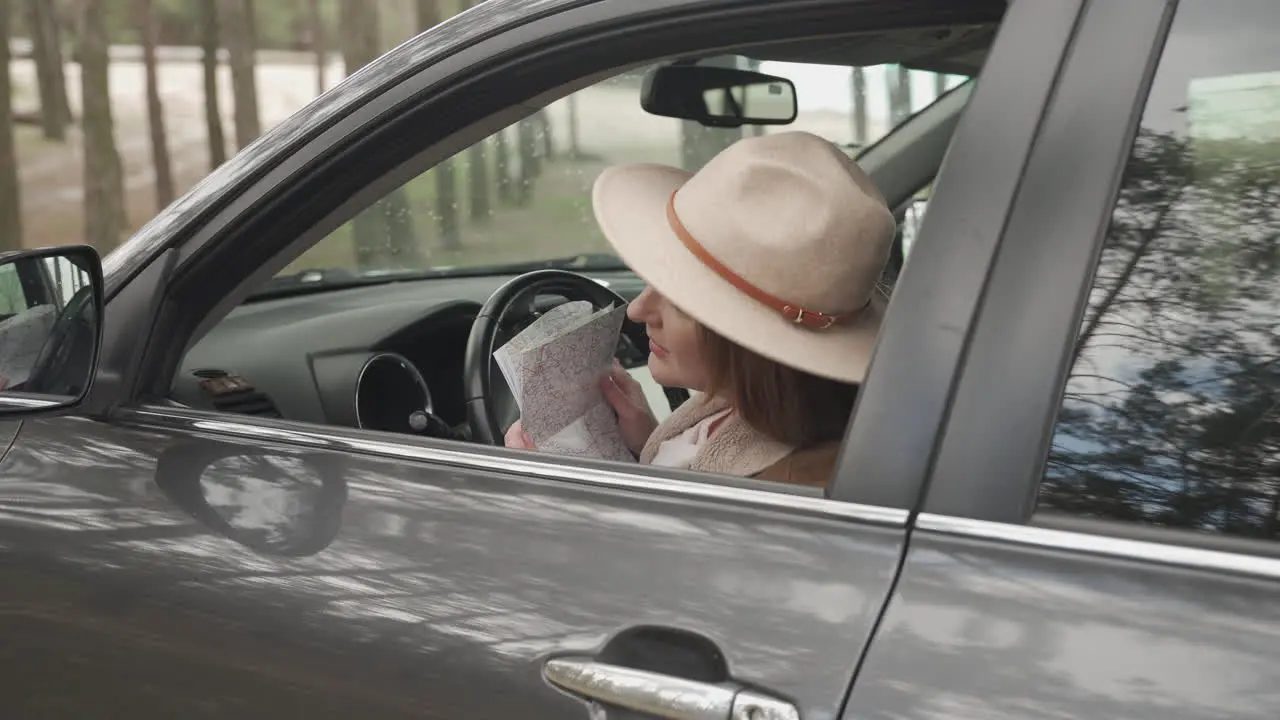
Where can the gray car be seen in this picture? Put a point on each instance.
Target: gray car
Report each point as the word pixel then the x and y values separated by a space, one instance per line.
pixel 236 482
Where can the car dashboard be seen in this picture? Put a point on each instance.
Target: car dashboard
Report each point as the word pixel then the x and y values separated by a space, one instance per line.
pixel 357 356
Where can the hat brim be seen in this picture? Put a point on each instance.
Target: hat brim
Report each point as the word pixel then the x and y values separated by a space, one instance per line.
pixel 630 203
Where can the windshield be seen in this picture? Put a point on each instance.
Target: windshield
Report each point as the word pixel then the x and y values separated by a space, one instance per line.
pixel 521 198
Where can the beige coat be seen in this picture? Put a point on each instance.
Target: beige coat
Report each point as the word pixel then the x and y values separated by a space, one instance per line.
pixel 736 448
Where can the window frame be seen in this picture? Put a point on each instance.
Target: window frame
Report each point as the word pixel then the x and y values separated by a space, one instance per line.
pixel 992 461
pixel 920 352
pixel 182 277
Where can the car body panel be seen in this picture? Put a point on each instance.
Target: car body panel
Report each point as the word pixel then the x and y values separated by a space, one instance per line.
pixel 8 433
pixel 328 572
pixel 995 618
pixel 419 588
pixel 1003 621
pixel 430 581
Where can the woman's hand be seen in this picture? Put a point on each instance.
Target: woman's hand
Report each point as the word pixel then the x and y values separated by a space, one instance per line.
pixel 517 438
pixel 635 419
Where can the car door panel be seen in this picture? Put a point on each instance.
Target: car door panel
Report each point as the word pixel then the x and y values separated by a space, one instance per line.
pixel 998 621
pixel 438 590
pixel 8 432
pixel 996 615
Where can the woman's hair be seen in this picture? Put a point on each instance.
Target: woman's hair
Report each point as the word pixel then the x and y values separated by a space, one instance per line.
pixel 786 404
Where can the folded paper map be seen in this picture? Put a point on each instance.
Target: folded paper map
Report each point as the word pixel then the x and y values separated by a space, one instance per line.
pixel 553 368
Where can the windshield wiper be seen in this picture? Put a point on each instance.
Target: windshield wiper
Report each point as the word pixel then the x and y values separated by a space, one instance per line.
pixel 324 279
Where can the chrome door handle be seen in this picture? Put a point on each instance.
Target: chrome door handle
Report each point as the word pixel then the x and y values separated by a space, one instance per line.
pixel 664 696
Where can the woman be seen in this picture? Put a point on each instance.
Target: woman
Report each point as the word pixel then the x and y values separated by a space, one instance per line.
pixel 763 271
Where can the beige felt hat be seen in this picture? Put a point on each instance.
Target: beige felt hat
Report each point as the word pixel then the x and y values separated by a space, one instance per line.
pixel 777 244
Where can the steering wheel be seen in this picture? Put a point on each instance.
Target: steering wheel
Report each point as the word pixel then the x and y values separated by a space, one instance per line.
pixel 65 360
pixel 491 408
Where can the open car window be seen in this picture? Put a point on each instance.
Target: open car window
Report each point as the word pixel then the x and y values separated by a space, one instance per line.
pixel 405 277
pixel 12 297
pixel 520 198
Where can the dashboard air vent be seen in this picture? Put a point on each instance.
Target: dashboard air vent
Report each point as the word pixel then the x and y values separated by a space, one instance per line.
pixel 233 394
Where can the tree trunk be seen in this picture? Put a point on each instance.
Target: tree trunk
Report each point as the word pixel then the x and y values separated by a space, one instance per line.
pixel 397 19
pixel 55 110
pixel 359 44
pixel 478 175
pixel 899 95
pixel 699 144
pixel 383 232
pixel 318 43
pixel 447 205
pixel 402 245
pixel 859 107
pixel 209 43
pixel 10 201
pixel 548 139
pixel 146 24
pixel 431 14
pixel 238 33
pixel 478 166
pixel 527 138
pixel 756 130
pixel 104 213
pixel 359 36
pixel 502 169
pixel 66 17
pixel 575 151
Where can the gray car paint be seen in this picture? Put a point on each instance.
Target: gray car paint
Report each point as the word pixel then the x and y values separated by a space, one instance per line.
pixel 988 628
pixel 444 587
pixel 439 594
pixel 8 432
pixel 992 618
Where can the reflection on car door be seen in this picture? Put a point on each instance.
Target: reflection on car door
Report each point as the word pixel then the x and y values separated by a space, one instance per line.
pixel 191 577
pixel 1144 584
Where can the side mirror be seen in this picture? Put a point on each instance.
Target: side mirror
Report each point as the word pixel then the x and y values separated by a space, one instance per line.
pixel 50 329
pixel 718 96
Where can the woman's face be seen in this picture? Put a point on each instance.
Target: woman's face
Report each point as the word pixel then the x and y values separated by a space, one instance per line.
pixel 675 347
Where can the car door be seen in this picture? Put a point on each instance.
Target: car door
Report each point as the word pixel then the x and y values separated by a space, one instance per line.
pixel 163 562
pixel 1098 537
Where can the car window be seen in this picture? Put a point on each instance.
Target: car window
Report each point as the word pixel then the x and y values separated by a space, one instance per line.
pixel 12 298
pixel 1171 414
pixel 501 203
pixel 64 279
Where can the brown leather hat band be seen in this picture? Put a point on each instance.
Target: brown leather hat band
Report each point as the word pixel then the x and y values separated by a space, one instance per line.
pixel 797 314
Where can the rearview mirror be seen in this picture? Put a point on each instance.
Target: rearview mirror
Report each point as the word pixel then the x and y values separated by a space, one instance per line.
pixel 718 96
pixel 50 328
